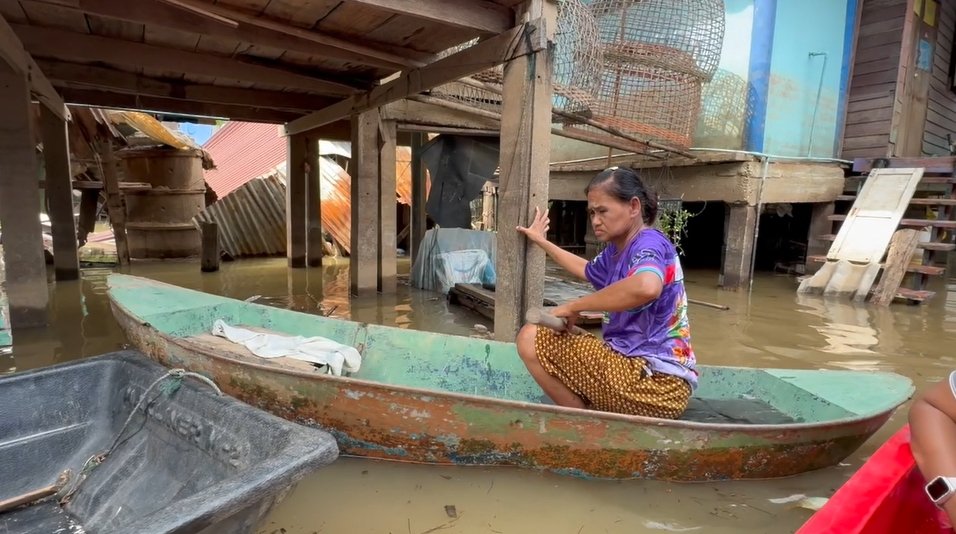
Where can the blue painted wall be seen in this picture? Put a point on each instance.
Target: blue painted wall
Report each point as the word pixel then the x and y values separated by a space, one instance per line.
pixel 802 28
pixel 723 115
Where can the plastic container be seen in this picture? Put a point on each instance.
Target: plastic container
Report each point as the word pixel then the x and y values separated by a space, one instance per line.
pixel 196 462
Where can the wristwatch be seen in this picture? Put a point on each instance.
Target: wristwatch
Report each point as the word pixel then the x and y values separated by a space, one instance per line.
pixel 940 489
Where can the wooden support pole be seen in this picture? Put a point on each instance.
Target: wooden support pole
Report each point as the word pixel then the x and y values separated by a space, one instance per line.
pixel 902 247
pixel 525 153
pixel 114 200
pixel 739 225
pixel 295 200
pixel 363 264
pixel 26 282
pixel 210 247
pixel 59 191
pixel 315 247
pixel 387 260
pixel 419 219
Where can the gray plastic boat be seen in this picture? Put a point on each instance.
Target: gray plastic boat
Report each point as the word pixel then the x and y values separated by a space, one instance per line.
pixel 195 462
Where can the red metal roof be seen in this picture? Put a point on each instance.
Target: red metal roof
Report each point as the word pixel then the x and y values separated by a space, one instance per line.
pixel 243 151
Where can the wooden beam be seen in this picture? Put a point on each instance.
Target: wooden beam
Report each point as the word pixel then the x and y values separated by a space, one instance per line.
pixel 419 219
pixel 77 76
pixel 252 29
pixel 59 193
pixel 12 51
pixel 481 15
pixel 115 201
pixel 523 182
pixel 168 105
pixel 516 42
pixel 315 243
pixel 295 200
pixel 387 219
pixel 26 282
pixel 364 234
pixel 77 47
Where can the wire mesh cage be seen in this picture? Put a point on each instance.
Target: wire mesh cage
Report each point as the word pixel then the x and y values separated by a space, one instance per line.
pixel 575 68
pixel 724 110
pixel 655 56
pixel 679 35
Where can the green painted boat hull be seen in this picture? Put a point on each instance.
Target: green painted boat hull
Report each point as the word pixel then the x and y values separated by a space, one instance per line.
pixel 442 399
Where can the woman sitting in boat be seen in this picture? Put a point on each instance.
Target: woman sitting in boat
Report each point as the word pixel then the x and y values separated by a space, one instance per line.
pixel 932 420
pixel 645 365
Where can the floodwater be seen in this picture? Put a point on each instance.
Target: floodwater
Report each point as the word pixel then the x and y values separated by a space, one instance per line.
pixel 768 327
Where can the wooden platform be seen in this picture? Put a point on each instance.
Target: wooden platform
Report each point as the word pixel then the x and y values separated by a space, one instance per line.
pixel 556 291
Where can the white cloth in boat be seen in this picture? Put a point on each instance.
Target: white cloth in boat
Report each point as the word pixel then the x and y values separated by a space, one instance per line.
pixel 336 356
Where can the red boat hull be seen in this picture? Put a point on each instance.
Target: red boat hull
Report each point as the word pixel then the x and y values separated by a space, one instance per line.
pixel 884 497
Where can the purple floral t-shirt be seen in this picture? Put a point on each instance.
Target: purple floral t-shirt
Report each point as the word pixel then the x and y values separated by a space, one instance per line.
pixel 658 331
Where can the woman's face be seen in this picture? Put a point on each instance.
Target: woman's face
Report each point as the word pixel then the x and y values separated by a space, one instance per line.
pixel 612 218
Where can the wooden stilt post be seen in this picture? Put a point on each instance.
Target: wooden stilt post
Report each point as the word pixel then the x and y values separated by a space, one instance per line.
pixel 313 209
pixel 525 153
pixel 739 224
pixel 418 195
pixel 295 200
pixel 210 247
pixel 25 267
pixel 59 191
pixel 114 200
pixel 363 264
pixel 387 268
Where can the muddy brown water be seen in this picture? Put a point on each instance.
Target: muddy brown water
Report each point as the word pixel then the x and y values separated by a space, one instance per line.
pixel 768 327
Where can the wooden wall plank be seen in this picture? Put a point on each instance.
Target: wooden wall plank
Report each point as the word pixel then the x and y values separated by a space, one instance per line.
pixel 874 76
pixel 941 112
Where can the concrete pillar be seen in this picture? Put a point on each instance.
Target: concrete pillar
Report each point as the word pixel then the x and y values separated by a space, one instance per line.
pixel 313 208
pixel 295 200
pixel 387 260
pixel 739 225
pixel 363 258
pixel 59 191
pixel 26 282
pixel 819 225
pixel 419 219
pixel 523 183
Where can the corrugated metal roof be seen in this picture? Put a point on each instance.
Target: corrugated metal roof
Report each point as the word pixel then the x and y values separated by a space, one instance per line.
pixel 251 218
pixel 246 151
pixel 242 151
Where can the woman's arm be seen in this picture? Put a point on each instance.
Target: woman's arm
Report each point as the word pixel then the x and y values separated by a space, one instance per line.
pixel 537 233
pixel 932 421
pixel 626 294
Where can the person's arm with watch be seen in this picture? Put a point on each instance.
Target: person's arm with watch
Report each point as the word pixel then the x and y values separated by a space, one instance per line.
pixel 932 419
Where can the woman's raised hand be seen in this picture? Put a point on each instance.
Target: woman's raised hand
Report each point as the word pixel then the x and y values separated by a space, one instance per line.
pixel 537 231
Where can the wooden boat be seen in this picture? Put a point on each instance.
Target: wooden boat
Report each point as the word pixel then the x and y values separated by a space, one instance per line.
pixel 885 496
pixel 444 399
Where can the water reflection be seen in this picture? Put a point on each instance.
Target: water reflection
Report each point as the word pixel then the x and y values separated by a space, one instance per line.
pixel 770 327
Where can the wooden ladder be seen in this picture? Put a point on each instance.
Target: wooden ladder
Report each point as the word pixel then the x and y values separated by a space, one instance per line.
pixel 936 192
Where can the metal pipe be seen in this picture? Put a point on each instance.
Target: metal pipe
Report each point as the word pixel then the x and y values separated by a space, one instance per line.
pixel 816 105
pixel 753 249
